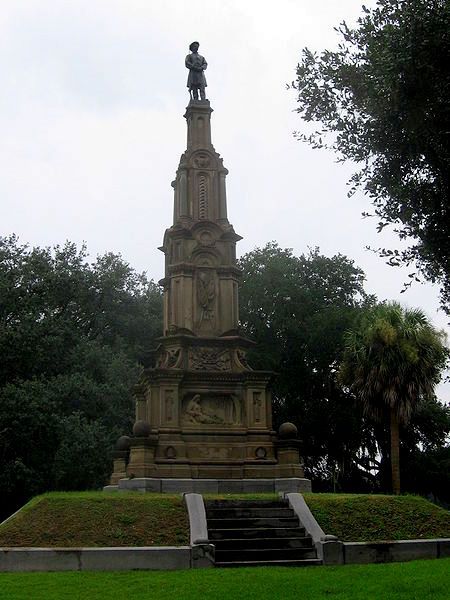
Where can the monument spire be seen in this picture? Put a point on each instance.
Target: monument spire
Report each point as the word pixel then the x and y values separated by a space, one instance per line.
pixel 200 186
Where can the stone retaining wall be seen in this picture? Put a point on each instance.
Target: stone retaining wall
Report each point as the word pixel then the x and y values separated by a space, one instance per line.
pixel 96 559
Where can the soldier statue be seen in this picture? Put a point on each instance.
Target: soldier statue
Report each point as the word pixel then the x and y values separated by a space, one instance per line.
pixel 196 64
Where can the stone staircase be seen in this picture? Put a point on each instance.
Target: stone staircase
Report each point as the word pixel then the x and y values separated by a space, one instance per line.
pixel 258 533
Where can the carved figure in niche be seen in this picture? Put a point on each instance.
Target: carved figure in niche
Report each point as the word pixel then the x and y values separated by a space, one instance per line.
pixel 196 414
pixel 196 80
pixel 206 293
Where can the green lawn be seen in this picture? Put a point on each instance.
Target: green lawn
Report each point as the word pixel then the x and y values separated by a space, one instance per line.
pixel 99 519
pixel 363 517
pixel 421 580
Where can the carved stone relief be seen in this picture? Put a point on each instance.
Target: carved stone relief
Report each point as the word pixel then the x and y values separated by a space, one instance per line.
pixel 203 197
pixel 214 453
pixel 211 410
pixel 201 161
pixel 169 405
pixel 241 359
pixel 204 261
pixel 257 407
pixel 206 238
pixel 173 355
pixel 169 359
pixel 206 294
pixel 212 359
pixel 260 452
pixel 170 452
pixel 198 412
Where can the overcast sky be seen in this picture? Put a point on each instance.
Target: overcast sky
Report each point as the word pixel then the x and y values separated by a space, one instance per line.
pixel 92 128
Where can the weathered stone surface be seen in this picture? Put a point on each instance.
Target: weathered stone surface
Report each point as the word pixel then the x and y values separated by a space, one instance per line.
pixel 293 484
pixel 211 486
pixel 210 413
pixel 141 429
pixel 197 518
pixel 382 552
pixel 96 559
pixel 123 443
pixel 287 431
pixel 443 548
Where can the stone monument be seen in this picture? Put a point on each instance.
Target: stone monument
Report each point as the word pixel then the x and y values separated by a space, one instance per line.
pixel 203 416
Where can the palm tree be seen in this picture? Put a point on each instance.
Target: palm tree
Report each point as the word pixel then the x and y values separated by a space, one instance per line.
pixel 391 362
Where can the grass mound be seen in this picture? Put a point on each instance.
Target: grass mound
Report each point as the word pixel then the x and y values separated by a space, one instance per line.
pixel 96 519
pixel 370 518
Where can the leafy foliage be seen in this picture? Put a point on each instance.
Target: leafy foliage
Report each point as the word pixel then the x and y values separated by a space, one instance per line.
pixel 297 309
pixel 71 337
pixel 425 452
pixel 392 361
pixel 382 101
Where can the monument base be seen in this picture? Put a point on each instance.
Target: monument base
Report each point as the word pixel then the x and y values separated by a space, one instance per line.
pixel 212 486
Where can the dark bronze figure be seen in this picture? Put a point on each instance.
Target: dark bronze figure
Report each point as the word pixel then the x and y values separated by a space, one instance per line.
pixel 196 80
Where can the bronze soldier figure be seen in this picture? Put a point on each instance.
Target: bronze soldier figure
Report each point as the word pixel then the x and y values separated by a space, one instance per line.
pixel 196 64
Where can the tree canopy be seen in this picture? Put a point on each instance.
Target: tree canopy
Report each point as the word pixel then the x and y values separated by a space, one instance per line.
pixel 382 101
pixel 71 336
pixel 297 309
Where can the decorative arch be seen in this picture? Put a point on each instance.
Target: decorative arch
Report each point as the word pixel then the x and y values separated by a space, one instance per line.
pixel 206 257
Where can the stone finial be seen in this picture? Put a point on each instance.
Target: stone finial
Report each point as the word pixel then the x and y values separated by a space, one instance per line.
pixel 141 429
pixel 287 431
pixel 123 443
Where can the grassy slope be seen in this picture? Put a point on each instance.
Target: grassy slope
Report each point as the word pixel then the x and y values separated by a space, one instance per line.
pixel 99 519
pixel 102 519
pixel 424 580
pixel 359 518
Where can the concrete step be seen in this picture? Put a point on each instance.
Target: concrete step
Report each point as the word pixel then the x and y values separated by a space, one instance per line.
pixel 247 523
pixel 264 554
pixel 256 533
pixel 282 542
pixel 250 512
pixel 308 562
pixel 245 503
